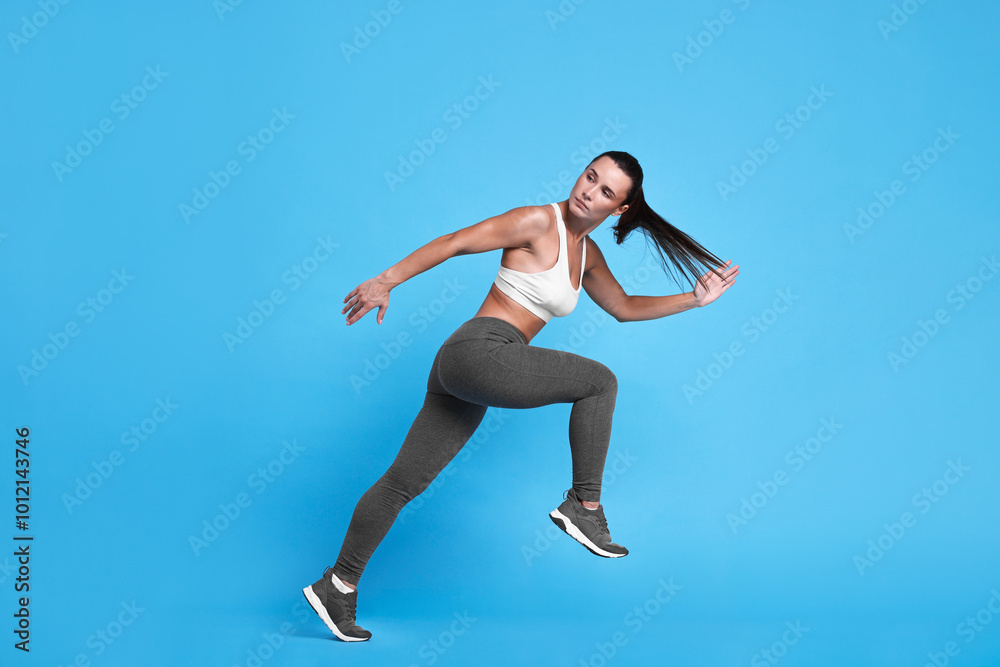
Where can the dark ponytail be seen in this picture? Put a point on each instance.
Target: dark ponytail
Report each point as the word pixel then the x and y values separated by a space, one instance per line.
pixel 684 253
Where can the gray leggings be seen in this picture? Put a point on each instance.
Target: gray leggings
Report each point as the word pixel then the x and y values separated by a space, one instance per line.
pixel 485 362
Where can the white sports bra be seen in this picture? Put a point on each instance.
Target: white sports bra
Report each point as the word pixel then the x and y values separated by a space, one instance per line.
pixel 547 293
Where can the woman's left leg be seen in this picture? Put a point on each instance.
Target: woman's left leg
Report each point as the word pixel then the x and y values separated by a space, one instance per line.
pixel 497 367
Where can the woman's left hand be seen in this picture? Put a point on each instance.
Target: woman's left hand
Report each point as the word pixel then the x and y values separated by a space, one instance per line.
pixel 710 286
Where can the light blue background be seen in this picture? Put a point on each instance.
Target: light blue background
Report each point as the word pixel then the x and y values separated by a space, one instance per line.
pixel 479 542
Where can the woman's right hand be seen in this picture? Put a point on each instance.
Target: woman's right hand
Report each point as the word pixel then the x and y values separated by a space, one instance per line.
pixel 369 294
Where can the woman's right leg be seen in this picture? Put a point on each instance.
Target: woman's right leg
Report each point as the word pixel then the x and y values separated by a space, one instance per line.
pixel 442 427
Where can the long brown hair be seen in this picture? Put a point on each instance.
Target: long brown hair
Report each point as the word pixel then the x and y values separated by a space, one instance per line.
pixel 677 250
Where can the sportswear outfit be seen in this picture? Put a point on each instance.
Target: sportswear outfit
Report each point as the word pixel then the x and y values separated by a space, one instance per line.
pixel 488 362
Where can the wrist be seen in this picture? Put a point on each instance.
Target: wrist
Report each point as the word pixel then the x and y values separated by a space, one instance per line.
pixel 388 278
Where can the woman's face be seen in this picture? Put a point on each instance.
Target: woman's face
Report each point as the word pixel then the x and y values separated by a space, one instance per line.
pixel 600 191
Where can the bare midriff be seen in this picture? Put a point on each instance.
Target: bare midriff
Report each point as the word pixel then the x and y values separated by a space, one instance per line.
pixel 497 304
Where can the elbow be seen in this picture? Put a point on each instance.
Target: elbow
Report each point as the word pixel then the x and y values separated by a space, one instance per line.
pixel 453 244
pixel 621 311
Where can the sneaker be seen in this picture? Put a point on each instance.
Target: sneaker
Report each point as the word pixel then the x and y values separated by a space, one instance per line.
pixel 335 608
pixel 588 527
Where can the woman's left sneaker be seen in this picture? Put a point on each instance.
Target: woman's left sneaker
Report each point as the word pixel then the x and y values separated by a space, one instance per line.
pixel 588 527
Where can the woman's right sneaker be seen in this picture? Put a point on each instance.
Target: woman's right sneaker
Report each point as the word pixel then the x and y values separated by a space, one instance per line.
pixel 588 527
pixel 335 608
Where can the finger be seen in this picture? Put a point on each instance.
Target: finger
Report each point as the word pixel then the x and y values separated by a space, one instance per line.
pixel 355 314
pixel 350 301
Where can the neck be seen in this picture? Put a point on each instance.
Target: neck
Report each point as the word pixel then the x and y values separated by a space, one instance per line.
pixel 576 226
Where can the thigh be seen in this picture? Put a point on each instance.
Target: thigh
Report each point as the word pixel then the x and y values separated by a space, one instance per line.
pixel 516 375
pixel 442 427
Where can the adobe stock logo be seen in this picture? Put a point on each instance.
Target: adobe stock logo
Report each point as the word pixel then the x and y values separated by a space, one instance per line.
pixel 87 310
pixel 923 500
pixel 915 168
pixel 381 18
pixel 752 329
pixel 263 309
pixel 637 619
pixel 779 649
pixel 796 459
pixel 926 330
pixel 968 629
pixel 788 125
pixel 249 148
pixel 259 481
pixel 901 13
pixel 579 158
pixel 122 106
pixel 455 116
pixel 223 7
pixel 714 27
pixel 132 439
pixel 562 13
pixel 420 320
pixel 37 21
pixel 433 649
pixel 102 639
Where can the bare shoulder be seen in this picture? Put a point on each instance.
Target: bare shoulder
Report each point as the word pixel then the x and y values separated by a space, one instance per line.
pixel 517 228
pixel 529 223
pixel 535 219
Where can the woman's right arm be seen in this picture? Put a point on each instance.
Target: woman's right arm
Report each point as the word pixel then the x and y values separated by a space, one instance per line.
pixel 513 229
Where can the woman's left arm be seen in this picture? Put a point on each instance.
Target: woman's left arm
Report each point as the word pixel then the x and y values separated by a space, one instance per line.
pixel 607 293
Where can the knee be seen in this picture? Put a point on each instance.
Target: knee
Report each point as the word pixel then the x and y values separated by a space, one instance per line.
pixel 402 488
pixel 607 381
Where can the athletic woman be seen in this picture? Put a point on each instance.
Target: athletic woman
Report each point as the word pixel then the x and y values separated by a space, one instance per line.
pixel 547 258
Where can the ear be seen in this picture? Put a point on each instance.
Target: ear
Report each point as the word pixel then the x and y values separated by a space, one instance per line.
pixel 621 209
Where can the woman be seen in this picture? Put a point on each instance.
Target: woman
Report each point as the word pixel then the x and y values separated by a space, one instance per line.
pixel 488 360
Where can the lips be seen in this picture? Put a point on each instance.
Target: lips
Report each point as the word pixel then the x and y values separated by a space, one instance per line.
pixel 582 205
